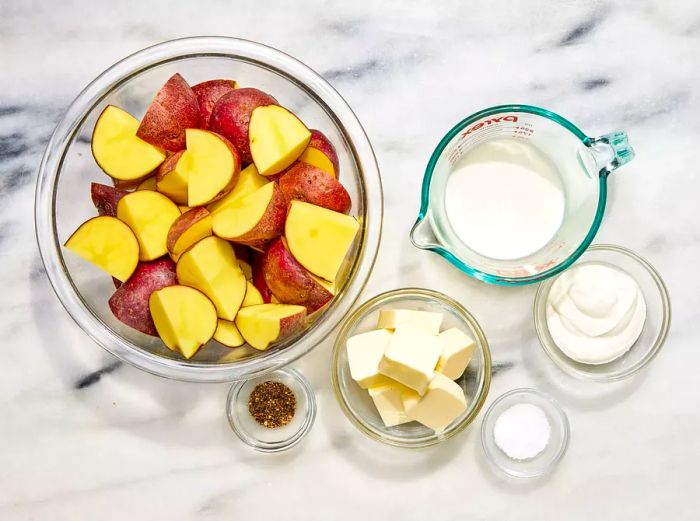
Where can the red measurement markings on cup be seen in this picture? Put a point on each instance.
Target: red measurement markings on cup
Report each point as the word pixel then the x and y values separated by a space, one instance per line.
pixel 488 129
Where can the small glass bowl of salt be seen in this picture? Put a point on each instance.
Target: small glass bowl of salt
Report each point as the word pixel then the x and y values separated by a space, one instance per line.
pixel 525 433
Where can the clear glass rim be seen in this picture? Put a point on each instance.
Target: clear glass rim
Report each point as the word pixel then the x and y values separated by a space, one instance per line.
pixel 556 406
pixel 498 279
pixel 426 441
pixel 294 439
pixel 267 57
pixel 551 349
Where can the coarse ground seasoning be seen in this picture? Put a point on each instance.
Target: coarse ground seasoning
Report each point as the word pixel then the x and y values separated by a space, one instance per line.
pixel 272 404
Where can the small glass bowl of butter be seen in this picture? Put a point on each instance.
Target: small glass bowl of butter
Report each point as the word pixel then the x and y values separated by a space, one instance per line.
pixel 359 405
pixel 651 335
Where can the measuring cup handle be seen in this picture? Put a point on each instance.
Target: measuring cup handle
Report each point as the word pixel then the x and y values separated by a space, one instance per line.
pixel 611 151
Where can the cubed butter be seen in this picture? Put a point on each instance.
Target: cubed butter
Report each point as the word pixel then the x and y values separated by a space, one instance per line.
pixel 387 399
pixel 424 320
pixel 457 351
pixel 365 351
pixel 442 402
pixel 411 357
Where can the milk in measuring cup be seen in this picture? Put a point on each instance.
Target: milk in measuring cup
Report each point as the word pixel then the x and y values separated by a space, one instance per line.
pixel 505 199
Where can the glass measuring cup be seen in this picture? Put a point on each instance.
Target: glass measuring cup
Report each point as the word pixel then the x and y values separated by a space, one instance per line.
pixel 583 164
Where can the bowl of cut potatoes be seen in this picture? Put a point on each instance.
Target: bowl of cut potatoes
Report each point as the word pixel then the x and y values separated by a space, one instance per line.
pixel 411 368
pixel 208 209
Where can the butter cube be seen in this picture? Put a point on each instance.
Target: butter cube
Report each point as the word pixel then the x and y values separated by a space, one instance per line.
pixel 425 320
pixel 365 351
pixel 387 399
pixel 411 357
pixel 457 351
pixel 443 401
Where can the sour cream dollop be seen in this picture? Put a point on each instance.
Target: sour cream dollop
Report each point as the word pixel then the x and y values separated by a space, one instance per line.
pixel 595 313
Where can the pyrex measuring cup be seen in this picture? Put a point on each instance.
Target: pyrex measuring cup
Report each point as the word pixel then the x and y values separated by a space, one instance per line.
pixel 583 164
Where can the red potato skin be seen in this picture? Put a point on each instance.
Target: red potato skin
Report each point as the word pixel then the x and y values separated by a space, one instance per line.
pixel 208 93
pixel 174 109
pixel 305 182
pixel 105 198
pixel 290 325
pixel 259 276
pixel 182 223
pixel 289 281
pixel 320 142
pixel 130 302
pixel 271 224
pixel 230 117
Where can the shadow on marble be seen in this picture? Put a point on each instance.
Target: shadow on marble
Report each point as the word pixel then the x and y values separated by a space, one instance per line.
pixel 120 396
pixel 578 394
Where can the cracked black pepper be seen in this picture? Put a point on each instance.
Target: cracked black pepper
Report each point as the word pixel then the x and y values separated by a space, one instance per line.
pixel 272 404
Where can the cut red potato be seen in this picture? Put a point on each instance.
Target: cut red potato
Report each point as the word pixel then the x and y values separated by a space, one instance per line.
pixel 277 138
pixel 203 173
pixel 231 114
pixel 289 281
pixel 208 93
pixel 252 296
pixel 150 216
pixel 184 318
pixel 227 334
pixel 147 184
pixel 319 238
pixel 246 269
pixel 184 209
pixel 119 151
pixel 188 229
pixel 211 267
pixel 248 181
pixel 174 109
pixel 107 243
pixel 321 154
pixel 130 302
pixel 253 219
pixel 173 182
pixel 105 198
pixel 259 277
pixel 308 183
pixel 266 324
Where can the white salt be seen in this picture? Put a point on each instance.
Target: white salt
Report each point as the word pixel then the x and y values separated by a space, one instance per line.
pixel 522 431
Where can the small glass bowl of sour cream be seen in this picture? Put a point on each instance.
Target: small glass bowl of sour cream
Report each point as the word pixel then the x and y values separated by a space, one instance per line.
pixel 656 320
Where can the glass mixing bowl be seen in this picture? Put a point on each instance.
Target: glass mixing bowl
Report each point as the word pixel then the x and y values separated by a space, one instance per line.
pixel 67 168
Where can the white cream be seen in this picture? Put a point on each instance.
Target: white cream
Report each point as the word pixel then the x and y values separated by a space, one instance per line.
pixel 504 199
pixel 595 313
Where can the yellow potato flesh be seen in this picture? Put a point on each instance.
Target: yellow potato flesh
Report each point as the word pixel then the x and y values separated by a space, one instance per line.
pixel 260 325
pixel 174 184
pixel 117 149
pixel 149 215
pixel 208 164
pixel 185 319
pixel 195 233
pixel 243 214
pixel 227 334
pixel 246 268
pixel 248 182
pixel 148 184
pixel 107 243
pixel 277 138
pixel 184 209
pixel 319 238
pixel 252 296
pixel 315 157
pixel 211 267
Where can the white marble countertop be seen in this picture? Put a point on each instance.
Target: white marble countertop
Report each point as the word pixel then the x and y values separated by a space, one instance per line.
pixel 83 435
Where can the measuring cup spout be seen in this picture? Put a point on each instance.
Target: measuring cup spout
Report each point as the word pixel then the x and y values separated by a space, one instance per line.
pixel 611 151
pixel 422 235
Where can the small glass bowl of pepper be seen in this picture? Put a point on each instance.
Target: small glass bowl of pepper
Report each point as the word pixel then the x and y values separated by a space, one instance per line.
pixel 272 412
